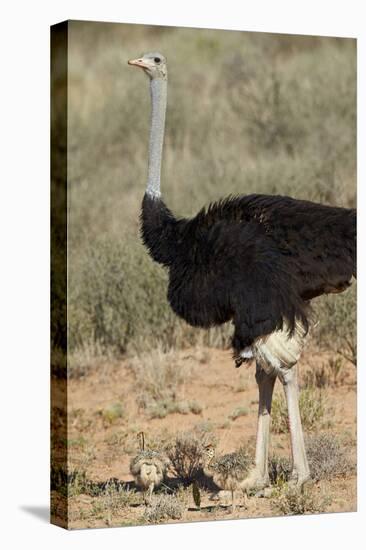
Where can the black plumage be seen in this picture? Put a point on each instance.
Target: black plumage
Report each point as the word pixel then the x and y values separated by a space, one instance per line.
pixel 256 260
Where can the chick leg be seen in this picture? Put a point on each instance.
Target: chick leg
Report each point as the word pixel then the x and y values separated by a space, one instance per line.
pixel 151 489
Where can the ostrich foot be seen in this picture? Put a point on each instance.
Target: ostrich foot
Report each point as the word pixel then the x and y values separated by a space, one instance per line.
pixel 224 498
pixel 221 496
pixel 254 482
pixel 299 482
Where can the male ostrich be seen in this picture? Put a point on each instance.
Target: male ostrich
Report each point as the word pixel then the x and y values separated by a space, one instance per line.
pixel 256 260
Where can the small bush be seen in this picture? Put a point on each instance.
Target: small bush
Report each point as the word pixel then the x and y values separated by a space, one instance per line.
pixel 279 469
pixel 164 507
pixel 240 411
pixel 185 454
pixel 337 329
pixel 112 413
pixel 311 404
pixel 290 501
pixel 116 496
pixel 68 483
pixel 117 296
pixel 160 409
pixel 327 457
pixel 195 407
pixel 312 409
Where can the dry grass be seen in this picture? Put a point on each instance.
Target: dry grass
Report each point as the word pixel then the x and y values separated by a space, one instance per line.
pixel 237 413
pixel 100 451
pixel 160 383
pixel 330 373
pixel 328 456
pixel 312 410
pixel 164 507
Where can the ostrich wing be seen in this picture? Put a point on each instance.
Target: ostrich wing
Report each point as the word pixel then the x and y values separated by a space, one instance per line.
pixel 266 296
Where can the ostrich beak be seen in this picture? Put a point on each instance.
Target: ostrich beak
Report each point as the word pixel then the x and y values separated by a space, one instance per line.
pixel 138 63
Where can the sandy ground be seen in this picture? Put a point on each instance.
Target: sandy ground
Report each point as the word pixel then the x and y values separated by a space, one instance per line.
pixel 103 447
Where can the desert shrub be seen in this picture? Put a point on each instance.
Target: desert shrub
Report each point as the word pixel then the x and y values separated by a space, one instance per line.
pixel 185 454
pixel 311 404
pixel 68 483
pixel 117 301
pixel 239 411
pixel 112 412
pixel 337 329
pixel 327 457
pixel 279 469
pixel 114 496
pixel 163 407
pixel 162 508
pixel 117 295
pixel 290 501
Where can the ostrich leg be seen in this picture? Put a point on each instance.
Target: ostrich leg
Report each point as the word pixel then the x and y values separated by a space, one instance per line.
pixel 300 468
pixel 258 477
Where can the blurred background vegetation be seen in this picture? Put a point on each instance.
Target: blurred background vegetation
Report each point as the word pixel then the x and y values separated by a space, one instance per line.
pixel 247 113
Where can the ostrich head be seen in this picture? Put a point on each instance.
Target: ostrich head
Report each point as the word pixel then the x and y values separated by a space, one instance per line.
pixel 153 64
pixel 208 455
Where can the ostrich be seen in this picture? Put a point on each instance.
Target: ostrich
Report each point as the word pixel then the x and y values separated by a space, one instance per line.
pixel 227 471
pixel 148 469
pixel 255 260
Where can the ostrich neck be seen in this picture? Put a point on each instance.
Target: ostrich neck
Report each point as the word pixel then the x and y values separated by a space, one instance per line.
pixel 158 91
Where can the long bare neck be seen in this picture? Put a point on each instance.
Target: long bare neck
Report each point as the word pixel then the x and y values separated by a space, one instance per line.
pixel 158 91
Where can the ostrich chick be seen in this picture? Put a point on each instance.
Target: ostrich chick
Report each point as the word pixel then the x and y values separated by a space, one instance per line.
pixel 148 469
pixel 227 471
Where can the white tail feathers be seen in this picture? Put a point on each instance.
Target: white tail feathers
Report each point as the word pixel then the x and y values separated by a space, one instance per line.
pixel 279 350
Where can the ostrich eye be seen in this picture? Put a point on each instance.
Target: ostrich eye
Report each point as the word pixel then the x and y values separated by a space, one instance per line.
pixel 157 59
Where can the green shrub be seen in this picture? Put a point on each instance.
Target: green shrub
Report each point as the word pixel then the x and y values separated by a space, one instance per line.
pixel 311 404
pixel 117 296
pixel 117 301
